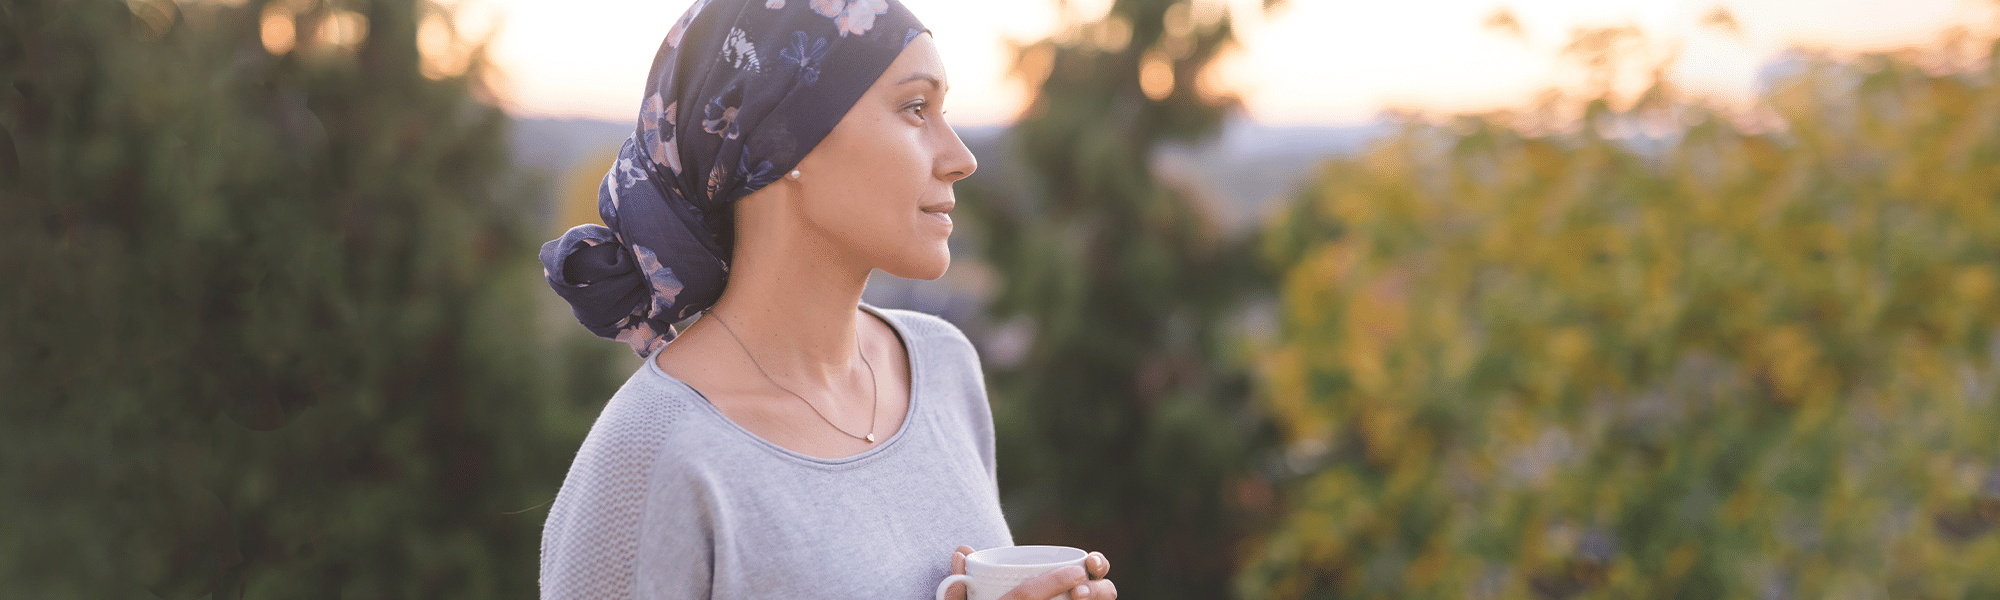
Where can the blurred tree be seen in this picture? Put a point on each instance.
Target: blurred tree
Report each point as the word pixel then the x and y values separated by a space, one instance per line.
pixel 1669 352
pixel 267 293
pixel 1126 427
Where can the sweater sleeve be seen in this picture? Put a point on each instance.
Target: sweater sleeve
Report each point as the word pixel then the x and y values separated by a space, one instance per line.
pixel 676 555
pixel 599 540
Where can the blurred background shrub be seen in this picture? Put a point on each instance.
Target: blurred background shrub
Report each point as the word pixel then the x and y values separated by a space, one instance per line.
pixel 1662 350
pixel 265 299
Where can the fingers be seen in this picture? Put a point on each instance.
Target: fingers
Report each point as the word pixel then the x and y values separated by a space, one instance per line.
pixel 1101 589
pixel 1098 568
pixel 1052 584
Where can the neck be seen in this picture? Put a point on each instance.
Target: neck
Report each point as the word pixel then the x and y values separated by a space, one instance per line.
pixel 794 308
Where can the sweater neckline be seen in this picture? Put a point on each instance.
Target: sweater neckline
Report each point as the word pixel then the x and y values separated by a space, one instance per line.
pixel 909 416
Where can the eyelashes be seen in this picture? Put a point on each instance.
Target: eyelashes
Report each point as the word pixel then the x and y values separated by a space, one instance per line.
pixel 923 109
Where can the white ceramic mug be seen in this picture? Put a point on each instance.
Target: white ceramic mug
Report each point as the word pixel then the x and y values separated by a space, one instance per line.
pixel 992 572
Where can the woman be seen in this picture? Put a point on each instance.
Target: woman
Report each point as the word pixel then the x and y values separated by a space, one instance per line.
pixel 792 442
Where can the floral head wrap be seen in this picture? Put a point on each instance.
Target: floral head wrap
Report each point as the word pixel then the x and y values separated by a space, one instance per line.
pixel 740 91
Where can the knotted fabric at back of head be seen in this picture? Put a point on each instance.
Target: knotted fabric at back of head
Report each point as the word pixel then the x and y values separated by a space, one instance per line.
pixel 740 91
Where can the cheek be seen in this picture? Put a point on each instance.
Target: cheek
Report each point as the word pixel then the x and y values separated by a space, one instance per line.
pixel 887 176
pixel 871 180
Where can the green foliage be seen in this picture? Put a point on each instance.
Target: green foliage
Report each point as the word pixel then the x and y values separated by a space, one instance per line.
pixel 1127 423
pixel 265 313
pixel 1716 361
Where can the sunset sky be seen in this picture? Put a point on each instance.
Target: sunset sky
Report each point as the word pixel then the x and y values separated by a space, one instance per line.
pixel 1308 62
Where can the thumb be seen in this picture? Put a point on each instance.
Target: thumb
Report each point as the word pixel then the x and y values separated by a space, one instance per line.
pixel 957 590
pixel 958 559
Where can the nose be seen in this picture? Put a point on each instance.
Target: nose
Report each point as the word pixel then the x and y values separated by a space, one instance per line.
pixel 956 161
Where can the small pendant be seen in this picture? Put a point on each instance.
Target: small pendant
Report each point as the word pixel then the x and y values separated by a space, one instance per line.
pixel 871 438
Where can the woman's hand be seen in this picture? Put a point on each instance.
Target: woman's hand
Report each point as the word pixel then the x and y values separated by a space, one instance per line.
pixel 1086 583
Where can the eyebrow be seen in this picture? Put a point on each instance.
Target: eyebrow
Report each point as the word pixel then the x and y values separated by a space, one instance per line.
pixel 937 84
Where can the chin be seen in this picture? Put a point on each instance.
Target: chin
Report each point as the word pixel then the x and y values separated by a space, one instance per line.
pixel 926 268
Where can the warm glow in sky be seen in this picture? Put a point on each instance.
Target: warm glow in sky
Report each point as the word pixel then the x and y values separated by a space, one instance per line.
pixel 1309 62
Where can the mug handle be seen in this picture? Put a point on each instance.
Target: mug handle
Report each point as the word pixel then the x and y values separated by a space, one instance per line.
pixel 946 584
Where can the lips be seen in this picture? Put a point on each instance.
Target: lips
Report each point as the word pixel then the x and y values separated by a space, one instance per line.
pixel 940 211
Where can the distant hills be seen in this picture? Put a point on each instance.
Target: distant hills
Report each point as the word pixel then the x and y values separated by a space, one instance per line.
pixel 1241 174
pixel 557 144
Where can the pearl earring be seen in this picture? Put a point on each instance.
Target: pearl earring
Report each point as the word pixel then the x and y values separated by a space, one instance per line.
pixel 794 175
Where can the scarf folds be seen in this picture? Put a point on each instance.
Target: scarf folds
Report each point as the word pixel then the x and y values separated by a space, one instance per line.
pixel 739 92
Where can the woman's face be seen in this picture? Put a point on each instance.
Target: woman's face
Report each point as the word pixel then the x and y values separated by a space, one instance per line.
pixel 879 185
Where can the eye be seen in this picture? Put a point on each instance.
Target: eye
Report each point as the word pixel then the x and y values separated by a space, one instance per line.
pixel 918 108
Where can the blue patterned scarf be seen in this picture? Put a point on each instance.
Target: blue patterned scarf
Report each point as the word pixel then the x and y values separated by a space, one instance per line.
pixel 740 91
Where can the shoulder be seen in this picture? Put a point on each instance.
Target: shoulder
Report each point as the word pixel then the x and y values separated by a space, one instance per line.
pixel 635 430
pixel 924 326
pixel 950 374
pixel 945 359
pixel 597 519
pixel 934 342
pixel 643 415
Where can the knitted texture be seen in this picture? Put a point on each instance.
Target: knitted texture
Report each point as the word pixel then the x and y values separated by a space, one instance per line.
pixel 599 506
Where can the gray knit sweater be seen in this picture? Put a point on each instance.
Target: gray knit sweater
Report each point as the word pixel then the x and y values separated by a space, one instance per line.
pixel 668 498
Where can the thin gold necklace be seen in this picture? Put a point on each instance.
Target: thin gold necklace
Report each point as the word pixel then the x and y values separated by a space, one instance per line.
pixel 874 401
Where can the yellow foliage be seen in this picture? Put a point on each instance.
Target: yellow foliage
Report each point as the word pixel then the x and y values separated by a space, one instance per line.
pixel 1679 562
pixel 1567 364
pixel 1972 287
pixel 1291 397
pixel 1788 361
